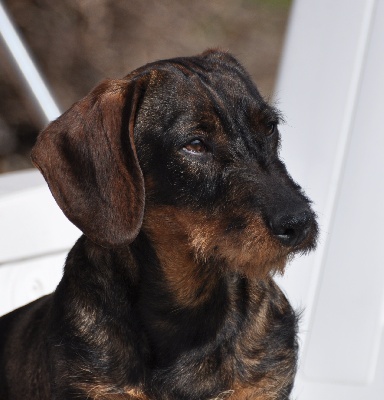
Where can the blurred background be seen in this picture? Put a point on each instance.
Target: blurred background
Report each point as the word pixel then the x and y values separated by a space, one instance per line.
pixel 77 43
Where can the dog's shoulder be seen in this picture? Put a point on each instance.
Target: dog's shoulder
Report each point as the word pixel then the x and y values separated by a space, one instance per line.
pixel 23 349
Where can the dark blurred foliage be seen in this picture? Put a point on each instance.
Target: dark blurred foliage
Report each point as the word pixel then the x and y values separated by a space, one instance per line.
pixel 77 43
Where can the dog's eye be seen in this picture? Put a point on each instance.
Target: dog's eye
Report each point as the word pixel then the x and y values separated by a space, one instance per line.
pixel 272 127
pixel 196 146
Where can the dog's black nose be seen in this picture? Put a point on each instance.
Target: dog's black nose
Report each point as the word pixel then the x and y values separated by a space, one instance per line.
pixel 291 230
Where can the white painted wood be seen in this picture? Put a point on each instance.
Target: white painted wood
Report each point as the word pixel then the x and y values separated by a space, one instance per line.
pixel 35 237
pixel 31 222
pixel 331 89
pixel 24 281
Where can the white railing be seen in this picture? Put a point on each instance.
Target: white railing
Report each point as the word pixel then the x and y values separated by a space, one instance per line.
pixel 331 89
pixel 27 67
pixel 35 237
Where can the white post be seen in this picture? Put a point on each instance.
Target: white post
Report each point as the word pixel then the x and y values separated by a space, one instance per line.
pixel 27 67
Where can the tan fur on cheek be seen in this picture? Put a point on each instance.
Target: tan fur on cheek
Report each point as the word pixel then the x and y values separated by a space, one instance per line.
pixel 181 234
pixel 251 251
pixel 188 282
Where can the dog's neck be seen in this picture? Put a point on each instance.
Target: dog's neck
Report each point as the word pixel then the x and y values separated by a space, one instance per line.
pixel 190 312
pixel 183 302
pixel 177 340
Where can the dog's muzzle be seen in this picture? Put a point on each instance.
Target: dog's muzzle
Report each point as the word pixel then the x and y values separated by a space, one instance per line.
pixel 292 229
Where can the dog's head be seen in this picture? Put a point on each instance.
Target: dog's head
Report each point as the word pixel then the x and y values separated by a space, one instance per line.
pixel 191 142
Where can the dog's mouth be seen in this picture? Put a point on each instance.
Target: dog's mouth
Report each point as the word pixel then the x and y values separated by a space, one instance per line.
pixel 246 247
pixel 245 244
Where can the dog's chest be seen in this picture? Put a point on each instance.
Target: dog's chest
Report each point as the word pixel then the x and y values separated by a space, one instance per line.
pixel 257 364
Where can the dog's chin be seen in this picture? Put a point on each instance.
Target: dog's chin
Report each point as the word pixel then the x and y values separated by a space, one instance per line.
pixel 251 251
pixel 260 269
pixel 255 263
pixel 256 253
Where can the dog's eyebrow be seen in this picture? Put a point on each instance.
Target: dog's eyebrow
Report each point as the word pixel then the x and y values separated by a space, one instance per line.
pixel 270 113
pixel 187 130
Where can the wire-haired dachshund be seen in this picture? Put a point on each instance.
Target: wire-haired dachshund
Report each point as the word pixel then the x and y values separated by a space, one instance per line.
pixel 173 175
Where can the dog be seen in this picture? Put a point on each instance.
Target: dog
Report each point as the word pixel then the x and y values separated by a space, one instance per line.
pixel 173 175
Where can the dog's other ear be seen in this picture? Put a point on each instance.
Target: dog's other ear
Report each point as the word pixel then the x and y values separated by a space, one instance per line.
pixel 88 158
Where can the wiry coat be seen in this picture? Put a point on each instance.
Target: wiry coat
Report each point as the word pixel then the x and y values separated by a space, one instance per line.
pixel 173 175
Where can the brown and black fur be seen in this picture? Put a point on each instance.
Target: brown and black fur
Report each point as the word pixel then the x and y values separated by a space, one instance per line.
pixel 173 175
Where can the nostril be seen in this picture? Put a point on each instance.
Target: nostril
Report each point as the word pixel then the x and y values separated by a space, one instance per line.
pixel 288 236
pixel 291 230
pixel 288 233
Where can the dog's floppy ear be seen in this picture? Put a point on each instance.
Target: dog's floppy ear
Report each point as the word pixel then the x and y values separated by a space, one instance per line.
pixel 88 158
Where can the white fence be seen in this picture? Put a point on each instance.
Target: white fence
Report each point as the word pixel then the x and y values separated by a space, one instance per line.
pixel 34 239
pixel 331 89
